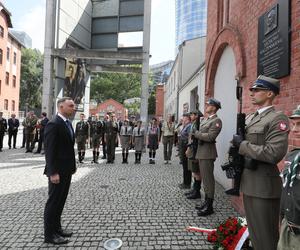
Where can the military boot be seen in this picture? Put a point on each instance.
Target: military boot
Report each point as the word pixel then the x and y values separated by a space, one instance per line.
pixel 79 157
pixel 207 209
pixel 82 157
pixel 94 157
pixel 136 158
pixel 123 156
pixel 196 194
pixel 203 204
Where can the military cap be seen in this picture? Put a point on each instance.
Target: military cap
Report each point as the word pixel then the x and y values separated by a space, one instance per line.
pixel 296 113
pixel 267 83
pixel 214 102
pixel 196 112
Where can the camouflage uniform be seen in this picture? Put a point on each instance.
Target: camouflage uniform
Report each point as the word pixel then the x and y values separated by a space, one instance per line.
pixel 29 124
pixel 96 131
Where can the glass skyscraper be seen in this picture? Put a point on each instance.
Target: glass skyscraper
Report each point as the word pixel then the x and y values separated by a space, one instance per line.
pixel 191 19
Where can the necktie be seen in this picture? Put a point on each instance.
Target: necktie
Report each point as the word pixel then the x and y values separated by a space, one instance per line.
pixel 69 127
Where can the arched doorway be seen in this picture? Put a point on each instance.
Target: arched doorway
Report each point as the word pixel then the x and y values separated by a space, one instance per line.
pixel 224 91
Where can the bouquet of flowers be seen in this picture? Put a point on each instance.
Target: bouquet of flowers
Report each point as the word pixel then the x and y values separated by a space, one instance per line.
pixel 231 234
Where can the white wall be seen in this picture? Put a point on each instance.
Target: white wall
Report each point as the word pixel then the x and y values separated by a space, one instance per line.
pixel 225 86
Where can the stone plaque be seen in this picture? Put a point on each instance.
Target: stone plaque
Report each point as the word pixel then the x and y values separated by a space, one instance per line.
pixel 273 54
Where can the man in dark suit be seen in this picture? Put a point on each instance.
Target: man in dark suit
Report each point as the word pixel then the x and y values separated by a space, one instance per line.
pixel 3 127
pixel 13 125
pixel 60 165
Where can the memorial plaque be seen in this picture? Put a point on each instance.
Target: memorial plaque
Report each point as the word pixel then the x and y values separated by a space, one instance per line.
pixel 273 54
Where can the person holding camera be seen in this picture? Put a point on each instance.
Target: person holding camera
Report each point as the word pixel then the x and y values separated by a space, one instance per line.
pixel 265 144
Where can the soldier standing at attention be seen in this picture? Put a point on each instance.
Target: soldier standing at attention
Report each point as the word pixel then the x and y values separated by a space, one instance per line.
pixel 96 131
pixel 81 136
pixel 3 127
pixel 208 131
pixel 290 197
pixel 111 137
pixel 126 140
pixel 138 138
pixel 105 119
pixel 29 124
pixel 265 144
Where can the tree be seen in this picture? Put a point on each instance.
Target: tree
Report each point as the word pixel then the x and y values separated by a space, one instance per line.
pixel 31 79
pixel 118 86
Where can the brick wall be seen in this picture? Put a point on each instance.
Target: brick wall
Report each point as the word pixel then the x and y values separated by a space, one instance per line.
pixel 235 23
pixel 110 105
pixel 159 107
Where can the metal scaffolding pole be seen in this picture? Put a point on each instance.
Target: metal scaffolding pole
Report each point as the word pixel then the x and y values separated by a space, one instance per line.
pixel 47 98
pixel 145 68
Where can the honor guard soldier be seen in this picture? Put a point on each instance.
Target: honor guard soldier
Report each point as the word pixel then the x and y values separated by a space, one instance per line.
pixel 29 124
pixel 96 131
pixel 265 144
pixel 209 130
pixel 81 136
pixel 126 140
pixel 193 163
pixel 290 197
pixel 138 138
pixel 111 137
pixel 3 127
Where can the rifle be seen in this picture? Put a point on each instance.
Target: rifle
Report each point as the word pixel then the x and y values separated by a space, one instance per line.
pixel 234 166
pixel 194 142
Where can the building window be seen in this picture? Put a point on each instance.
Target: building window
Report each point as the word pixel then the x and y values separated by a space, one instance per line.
pixel 7 54
pixel 7 78
pixel 1 55
pixel 5 104
pixel 14 83
pixel 1 31
pixel 13 105
pixel 15 58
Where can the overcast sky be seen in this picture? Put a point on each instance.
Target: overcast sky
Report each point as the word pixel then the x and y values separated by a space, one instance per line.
pixel 29 16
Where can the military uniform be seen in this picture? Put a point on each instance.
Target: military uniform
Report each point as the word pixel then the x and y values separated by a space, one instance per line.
pixel 81 135
pixel 125 138
pixel 3 127
pixel 265 144
pixel 111 137
pixel 30 124
pixel 96 131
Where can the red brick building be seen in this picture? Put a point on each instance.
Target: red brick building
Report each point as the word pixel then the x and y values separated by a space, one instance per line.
pixel 159 107
pixel 232 49
pixel 110 105
pixel 10 66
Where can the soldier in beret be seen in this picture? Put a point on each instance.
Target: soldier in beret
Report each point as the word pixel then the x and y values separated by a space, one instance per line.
pixel 265 144
pixel 81 136
pixel 290 197
pixel 209 129
pixel 30 124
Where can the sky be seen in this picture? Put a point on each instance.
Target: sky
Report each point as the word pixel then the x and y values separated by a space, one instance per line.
pixel 29 16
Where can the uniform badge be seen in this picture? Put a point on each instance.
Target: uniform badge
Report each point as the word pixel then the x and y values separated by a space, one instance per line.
pixel 283 126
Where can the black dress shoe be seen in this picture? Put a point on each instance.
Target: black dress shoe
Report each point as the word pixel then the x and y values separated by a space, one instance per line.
pixel 193 196
pixel 183 186
pixel 56 240
pixel 189 192
pixel 64 232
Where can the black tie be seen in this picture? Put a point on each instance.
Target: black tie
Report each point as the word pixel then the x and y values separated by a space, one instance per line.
pixel 69 127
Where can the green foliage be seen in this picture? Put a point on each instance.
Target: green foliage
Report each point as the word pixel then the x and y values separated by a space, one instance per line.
pixel 31 79
pixel 133 108
pixel 118 86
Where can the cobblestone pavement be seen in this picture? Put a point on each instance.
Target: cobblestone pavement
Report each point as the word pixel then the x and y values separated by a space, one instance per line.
pixel 140 204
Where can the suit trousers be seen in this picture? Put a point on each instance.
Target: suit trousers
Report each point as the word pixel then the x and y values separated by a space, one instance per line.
pixel 1 139
pixel 263 221
pixel 57 195
pixel 207 176
pixel 111 147
pixel 168 142
pixel 12 134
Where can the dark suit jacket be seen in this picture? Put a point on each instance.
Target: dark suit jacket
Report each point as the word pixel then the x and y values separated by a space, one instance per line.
pixel 59 148
pixel 13 126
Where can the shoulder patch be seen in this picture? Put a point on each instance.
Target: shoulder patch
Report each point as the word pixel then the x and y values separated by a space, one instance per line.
pixel 283 126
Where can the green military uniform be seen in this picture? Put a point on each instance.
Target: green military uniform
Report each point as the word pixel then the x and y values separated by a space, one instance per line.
pixel 81 135
pixel 111 133
pixel 207 151
pixel 96 131
pixel 29 124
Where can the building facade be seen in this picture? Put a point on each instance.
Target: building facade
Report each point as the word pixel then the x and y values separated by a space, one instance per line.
pixel 10 66
pixel 110 105
pixel 232 53
pixel 159 101
pixel 191 17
